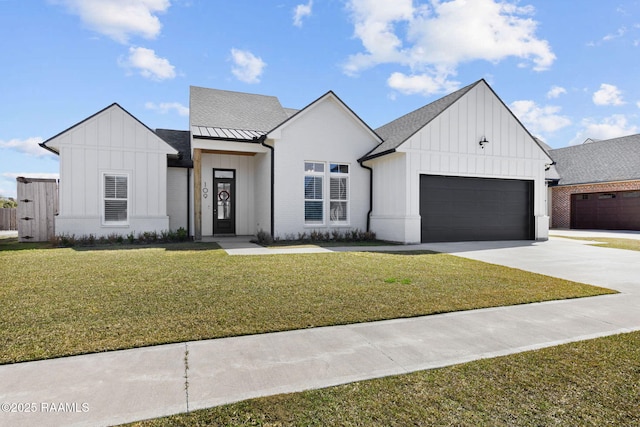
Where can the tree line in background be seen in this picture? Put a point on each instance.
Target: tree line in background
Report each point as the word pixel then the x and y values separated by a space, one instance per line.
pixel 8 202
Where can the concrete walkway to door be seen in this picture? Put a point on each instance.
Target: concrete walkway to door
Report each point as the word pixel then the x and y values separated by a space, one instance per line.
pixel 122 386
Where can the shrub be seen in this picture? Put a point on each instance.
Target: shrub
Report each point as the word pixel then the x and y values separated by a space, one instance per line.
pixel 182 235
pixel 264 238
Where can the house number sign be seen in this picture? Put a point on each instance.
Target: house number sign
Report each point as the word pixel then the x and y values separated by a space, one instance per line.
pixel 205 190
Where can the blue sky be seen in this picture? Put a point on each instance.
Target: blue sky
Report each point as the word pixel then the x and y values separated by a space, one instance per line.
pixel 567 68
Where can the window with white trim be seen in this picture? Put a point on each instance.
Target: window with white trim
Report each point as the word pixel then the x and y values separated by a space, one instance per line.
pixel 313 193
pixel 338 193
pixel 116 199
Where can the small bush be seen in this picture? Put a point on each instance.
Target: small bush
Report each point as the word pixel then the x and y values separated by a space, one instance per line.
pixel 264 238
pixel 165 236
pixel 182 235
pixel 334 235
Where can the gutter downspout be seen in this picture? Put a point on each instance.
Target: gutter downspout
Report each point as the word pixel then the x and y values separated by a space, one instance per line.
pixel 262 140
pixel 188 202
pixel 370 194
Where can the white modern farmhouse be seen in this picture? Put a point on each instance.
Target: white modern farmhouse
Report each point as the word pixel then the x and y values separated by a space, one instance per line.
pixel 460 168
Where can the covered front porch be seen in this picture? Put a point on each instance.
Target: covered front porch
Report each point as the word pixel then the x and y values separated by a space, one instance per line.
pixel 231 186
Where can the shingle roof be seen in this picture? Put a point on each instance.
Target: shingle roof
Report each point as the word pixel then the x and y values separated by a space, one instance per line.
pixel 616 159
pixel 181 141
pixel 399 130
pixel 234 110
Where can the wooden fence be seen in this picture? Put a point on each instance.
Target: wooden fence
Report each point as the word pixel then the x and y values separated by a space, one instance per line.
pixel 37 207
pixel 8 219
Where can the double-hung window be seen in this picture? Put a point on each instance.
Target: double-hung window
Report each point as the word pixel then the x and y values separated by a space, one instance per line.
pixel 116 199
pixel 313 193
pixel 338 193
pixel 316 193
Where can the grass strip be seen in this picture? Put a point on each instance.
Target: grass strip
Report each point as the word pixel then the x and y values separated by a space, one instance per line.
pixel 60 302
pixel 594 382
pixel 611 242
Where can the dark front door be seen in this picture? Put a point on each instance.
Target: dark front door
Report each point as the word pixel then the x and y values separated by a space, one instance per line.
pixel 224 211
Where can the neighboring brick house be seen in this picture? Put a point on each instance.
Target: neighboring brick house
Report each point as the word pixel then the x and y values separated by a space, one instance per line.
pixel 598 185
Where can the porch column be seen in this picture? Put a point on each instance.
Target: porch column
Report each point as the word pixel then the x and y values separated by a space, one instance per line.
pixel 197 193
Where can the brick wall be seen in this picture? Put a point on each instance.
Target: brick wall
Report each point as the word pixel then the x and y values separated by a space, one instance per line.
pixel 561 198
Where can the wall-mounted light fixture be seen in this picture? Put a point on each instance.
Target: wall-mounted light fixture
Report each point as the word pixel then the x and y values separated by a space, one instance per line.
pixel 483 142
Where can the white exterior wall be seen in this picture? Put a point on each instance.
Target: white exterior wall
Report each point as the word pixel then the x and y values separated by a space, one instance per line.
pixel 448 145
pixel 325 132
pixel 244 187
pixel 262 195
pixel 111 142
pixel 177 197
pixel 389 218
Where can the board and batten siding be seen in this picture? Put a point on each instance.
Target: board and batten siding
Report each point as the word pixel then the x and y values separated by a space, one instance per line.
pixel 449 145
pixel 177 197
pixel 114 142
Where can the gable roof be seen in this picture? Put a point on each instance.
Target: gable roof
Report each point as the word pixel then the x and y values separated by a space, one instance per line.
pixel 214 108
pixel 180 140
pixel 616 159
pixel 114 105
pixel 398 131
pixel 330 94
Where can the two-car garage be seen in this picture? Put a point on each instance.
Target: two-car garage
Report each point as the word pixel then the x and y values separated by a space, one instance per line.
pixel 454 208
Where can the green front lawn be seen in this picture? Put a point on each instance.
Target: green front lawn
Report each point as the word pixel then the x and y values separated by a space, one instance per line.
pixel 59 302
pixel 589 383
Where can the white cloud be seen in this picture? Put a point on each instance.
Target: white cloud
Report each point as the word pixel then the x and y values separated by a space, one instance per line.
pixel 621 32
pixel 420 84
pixel 608 95
pixel 374 25
pixel 247 67
pixel 27 146
pixel 611 127
pixel 165 107
pixel 539 118
pixel 120 19
pixel 148 64
pixel 434 39
pixel 301 11
pixel 555 92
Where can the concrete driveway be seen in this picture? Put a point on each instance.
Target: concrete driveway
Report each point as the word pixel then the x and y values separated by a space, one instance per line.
pixel 575 260
pixel 122 386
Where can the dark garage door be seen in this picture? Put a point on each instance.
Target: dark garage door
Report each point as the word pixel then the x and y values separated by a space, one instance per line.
pixel 619 210
pixel 463 208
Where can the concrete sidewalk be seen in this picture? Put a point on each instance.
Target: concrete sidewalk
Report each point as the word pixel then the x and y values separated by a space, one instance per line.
pixel 121 386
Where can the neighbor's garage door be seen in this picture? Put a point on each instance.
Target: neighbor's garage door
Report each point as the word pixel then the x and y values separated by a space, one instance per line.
pixel 619 210
pixel 463 208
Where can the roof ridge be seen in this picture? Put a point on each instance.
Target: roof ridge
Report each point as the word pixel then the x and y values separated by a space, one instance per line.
pixel 234 92
pixel 397 131
pixel 600 142
pixel 457 94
